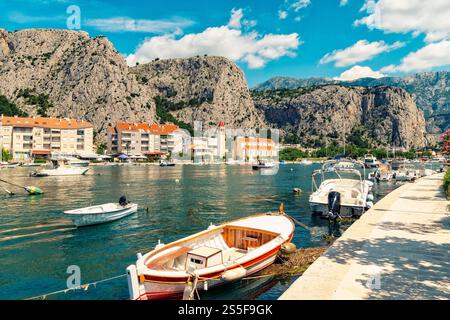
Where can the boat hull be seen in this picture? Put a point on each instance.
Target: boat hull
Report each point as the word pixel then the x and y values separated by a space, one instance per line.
pixel 150 290
pixel 149 284
pixel 82 220
pixel 346 211
pixel 76 171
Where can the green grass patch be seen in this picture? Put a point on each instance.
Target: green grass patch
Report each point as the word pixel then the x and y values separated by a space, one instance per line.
pixel 447 182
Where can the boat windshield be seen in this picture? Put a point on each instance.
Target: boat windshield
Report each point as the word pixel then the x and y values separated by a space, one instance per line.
pixel 341 170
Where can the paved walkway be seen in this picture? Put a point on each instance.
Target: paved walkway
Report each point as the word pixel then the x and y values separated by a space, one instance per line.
pixel 399 249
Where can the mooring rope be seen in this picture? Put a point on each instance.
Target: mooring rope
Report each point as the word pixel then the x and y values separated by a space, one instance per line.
pixel 85 287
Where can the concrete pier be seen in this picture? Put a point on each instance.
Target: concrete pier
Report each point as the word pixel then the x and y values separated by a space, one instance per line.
pixel 399 249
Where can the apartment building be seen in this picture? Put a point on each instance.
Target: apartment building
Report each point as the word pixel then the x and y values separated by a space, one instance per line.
pixel 252 149
pixel 137 139
pixel 27 138
pixel 210 147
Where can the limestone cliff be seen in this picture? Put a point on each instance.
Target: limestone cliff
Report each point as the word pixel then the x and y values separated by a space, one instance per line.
pixel 385 115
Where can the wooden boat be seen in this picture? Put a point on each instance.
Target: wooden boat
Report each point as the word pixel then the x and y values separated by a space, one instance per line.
pixel 100 213
pixel 218 255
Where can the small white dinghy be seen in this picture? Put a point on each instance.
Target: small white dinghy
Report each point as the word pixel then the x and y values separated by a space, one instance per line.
pixel 101 213
pixel 218 255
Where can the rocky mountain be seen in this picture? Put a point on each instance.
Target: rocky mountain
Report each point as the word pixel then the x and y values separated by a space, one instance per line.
pixel 66 73
pixel 431 91
pixel 207 89
pixel 382 116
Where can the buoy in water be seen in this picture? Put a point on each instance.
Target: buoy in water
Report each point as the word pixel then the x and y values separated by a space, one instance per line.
pixel 297 190
pixel 288 248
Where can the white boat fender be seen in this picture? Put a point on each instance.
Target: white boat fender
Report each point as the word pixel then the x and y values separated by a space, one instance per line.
pixel 234 274
pixel 297 190
pixel 211 226
pixel 369 204
pixel 370 197
pixel 288 248
pixel 133 284
pixel 159 245
pixel 205 285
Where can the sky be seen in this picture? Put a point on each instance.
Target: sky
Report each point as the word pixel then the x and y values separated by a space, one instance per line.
pixel 341 39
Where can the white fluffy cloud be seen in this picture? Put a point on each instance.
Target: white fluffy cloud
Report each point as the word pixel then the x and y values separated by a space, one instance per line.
pixel 282 14
pixel 402 16
pixel 358 72
pixel 360 51
pixel 300 4
pixel 124 24
pixel 235 19
pixel 432 55
pixel 229 41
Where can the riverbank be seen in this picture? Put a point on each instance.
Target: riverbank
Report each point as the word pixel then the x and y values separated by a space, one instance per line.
pixel 396 250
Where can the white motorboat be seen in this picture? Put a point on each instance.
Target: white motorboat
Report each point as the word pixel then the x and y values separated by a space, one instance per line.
pixel 406 172
pixel 370 161
pixel 10 165
pixel 263 165
pixel 306 162
pixel 60 168
pixel 355 192
pixel 78 163
pixel 165 163
pixel 101 213
pixel 218 255
pixel 383 173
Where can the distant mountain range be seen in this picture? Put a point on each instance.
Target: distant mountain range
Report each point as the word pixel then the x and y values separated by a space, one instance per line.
pixel 431 91
pixel 63 73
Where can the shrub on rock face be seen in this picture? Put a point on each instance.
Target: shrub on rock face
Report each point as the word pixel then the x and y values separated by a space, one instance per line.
pixel 446 143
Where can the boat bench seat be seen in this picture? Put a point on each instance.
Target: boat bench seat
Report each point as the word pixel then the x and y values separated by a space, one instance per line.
pixel 167 262
pixel 233 254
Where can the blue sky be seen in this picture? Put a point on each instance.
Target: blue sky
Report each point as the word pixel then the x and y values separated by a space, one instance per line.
pixel 298 38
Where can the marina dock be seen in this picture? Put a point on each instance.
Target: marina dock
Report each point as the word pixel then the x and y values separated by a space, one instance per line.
pixel 399 249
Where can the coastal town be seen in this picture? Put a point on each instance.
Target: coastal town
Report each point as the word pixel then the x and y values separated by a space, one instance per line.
pixel 38 139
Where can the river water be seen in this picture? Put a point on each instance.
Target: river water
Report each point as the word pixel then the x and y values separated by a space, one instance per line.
pixel 37 243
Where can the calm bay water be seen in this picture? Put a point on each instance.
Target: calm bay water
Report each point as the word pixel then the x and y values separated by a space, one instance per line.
pixel 37 243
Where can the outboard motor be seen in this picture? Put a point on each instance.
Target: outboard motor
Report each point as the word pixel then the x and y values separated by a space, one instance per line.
pixel 334 205
pixel 334 211
pixel 123 201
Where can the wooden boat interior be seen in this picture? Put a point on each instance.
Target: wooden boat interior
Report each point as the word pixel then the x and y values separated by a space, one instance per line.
pixel 214 247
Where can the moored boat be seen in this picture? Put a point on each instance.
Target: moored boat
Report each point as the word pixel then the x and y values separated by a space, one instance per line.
pixel 306 162
pixel 101 213
pixel 383 173
pixel 344 178
pixel 263 165
pixel 370 161
pixel 60 168
pixel 165 163
pixel 406 172
pixel 218 255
